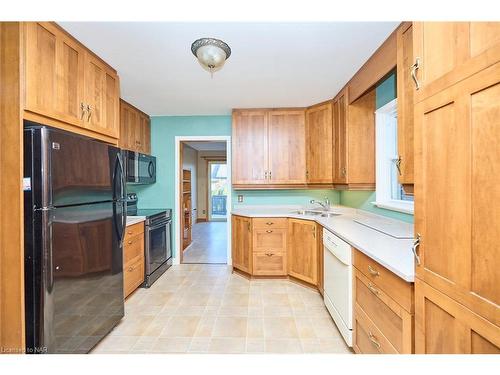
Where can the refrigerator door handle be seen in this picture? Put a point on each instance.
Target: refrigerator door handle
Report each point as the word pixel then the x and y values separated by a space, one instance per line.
pixel 120 197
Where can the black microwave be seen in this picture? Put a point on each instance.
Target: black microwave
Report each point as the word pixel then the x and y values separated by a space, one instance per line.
pixel 140 168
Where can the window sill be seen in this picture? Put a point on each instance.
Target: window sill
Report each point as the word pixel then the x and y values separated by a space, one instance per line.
pixel 399 206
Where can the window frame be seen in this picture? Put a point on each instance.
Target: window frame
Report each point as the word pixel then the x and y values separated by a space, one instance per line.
pixel 384 116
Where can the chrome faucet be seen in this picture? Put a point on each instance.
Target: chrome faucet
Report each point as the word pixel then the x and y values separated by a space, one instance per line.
pixel 326 205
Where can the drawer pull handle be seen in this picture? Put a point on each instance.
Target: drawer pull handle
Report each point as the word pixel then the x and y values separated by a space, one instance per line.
pixel 269 254
pixel 374 341
pixel 373 289
pixel 373 271
pixel 269 223
pixel 269 231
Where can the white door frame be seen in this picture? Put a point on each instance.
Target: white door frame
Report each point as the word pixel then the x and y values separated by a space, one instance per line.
pixel 209 188
pixel 177 222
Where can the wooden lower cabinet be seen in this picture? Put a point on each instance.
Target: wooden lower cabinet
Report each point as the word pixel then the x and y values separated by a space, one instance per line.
pixel 270 263
pixel 133 258
pixel 303 250
pixel 242 243
pixel 381 324
pixel 444 326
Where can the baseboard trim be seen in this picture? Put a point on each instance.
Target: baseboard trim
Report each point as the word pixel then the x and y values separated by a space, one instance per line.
pixel 201 220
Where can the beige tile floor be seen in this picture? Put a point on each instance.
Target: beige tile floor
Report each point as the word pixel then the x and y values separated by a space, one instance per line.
pixel 195 308
pixel 209 243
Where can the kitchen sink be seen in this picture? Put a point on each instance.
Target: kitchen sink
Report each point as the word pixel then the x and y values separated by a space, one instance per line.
pixel 316 213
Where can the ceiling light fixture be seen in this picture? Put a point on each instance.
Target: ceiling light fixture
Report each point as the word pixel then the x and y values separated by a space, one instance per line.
pixel 211 53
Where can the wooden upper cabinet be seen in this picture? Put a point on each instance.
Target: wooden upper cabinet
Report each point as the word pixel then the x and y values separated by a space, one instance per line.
pixel 54 65
pixel 443 326
pixel 457 192
pixel 287 154
pixel 102 95
pixel 354 142
pixel 452 49
pixel 319 144
pixel 250 147
pixel 242 243
pixel 135 129
pixel 302 250
pixel 67 83
pixel 405 90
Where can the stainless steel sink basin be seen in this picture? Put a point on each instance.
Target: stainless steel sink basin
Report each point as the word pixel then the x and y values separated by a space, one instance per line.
pixel 316 213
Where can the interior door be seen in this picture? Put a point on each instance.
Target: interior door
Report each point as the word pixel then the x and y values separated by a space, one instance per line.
pixel 217 190
pixel 287 148
pixel 250 147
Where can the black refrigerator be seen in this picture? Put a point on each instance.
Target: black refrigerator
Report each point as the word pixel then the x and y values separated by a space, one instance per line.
pixel 75 216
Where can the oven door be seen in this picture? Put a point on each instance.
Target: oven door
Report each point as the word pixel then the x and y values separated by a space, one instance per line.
pixel 158 246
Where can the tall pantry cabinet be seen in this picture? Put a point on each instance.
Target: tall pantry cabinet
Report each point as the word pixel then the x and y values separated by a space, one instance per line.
pixel 456 74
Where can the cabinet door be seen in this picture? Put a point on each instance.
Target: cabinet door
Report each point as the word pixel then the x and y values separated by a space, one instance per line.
pixel 302 250
pixel 444 47
pixel 457 201
pixel 53 73
pixel 443 326
pixel 405 89
pixel 145 133
pixel 102 96
pixel 242 243
pixel 128 126
pixel 319 139
pixel 287 154
pixel 340 139
pixel 250 147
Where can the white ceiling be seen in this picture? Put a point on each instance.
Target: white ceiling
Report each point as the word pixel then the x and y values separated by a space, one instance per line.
pixel 207 146
pixel 271 65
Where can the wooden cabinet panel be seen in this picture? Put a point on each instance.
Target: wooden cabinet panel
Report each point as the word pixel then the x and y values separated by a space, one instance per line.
pixel 340 138
pixel 394 322
pixel 133 276
pixel 443 326
pixel 287 154
pixel 134 230
pixel 367 337
pixel 133 248
pixel 270 223
pixel 135 129
pixel 405 90
pixel 269 263
pixel 321 275
pixel 319 143
pixel 394 286
pixel 145 134
pixel 451 51
pixel 457 205
pixel 265 240
pixel 242 243
pixel 249 140
pixel 53 73
pixel 102 97
pixel 302 250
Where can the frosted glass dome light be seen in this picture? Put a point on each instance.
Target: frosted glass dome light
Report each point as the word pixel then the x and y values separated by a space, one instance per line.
pixel 211 53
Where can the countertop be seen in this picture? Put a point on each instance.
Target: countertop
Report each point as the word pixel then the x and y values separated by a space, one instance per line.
pixel 131 220
pixel 390 251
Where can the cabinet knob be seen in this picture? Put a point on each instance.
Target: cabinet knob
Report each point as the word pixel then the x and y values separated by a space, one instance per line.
pixel 129 242
pixel 130 269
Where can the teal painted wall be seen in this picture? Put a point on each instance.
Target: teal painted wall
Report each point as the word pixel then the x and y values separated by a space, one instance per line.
pixel 384 93
pixel 283 197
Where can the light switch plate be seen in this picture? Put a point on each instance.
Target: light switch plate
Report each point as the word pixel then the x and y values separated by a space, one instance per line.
pixel 240 198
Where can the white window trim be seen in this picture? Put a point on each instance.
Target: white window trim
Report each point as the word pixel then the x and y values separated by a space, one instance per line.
pixel 383 195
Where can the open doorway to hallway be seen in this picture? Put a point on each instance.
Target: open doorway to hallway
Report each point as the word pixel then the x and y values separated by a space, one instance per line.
pixel 204 202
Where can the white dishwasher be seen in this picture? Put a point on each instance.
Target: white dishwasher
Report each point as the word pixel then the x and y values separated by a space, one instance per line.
pixel 338 282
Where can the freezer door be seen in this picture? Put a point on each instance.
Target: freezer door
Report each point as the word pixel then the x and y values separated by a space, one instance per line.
pixel 86 278
pixel 82 170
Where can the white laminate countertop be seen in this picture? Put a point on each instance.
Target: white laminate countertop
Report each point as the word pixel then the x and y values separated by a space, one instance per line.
pixel 391 251
pixel 131 220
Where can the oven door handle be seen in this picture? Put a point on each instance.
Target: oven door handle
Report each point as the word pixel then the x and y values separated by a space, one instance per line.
pixel 160 225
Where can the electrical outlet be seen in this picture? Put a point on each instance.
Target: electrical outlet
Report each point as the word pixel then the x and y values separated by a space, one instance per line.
pixel 240 198
pixel 204 211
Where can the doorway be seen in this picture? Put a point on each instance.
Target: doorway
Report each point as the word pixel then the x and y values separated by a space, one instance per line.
pixel 203 196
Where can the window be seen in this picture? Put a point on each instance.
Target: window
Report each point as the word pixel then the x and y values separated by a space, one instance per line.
pixel 390 193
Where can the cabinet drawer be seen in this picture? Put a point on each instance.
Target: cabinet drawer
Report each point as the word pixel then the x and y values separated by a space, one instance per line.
pixel 391 319
pixel 133 230
pixel 133 276
pixel 398 289
pixel 269 222
pixel 133 247
pixel 269 263
pixel 368 339
pixel 265 240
